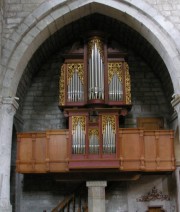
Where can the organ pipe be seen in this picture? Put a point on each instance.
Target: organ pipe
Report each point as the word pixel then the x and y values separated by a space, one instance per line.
pixel 75 88
pixel 78 140
pixel 108 139
pixel 95 72
pixel 115 89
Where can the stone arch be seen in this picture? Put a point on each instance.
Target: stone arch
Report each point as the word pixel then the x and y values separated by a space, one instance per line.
pixel 54 14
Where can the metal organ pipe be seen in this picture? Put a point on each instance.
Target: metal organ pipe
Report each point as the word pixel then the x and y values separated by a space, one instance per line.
pixel 75 88
pixel 109 139
pixel 115 89
pixel 96 73
pixel 78 140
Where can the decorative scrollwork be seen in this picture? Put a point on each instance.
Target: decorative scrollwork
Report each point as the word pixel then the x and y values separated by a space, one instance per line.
pixel 153 195
pixel 127 84
pixel 72 67
pixel 93 132
pixel 115 68
pixel 111 120
pixel 62 86
pixel 99 45
pixel 78 119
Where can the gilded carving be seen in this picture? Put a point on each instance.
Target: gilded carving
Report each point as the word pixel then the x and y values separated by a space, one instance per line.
pixel 111 120
pixel 94 132
pixel 72 67
pixel 78 119
pixel 99 45
pixel 153 195
pixel 62 87
pixel 127 84
pixel 115 68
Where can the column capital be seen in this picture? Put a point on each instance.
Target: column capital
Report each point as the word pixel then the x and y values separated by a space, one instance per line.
pixel 10 104
pixel 176 101
pixel 96 183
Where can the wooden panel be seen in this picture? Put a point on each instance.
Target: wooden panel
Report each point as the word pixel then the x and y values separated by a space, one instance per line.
pixel 39 153
pixel 130 149
pixel 150 123
pixel 155 209
pixel 27 156
pixel 57 151
pixel 166 150
pixel 24 157
pixel 150 151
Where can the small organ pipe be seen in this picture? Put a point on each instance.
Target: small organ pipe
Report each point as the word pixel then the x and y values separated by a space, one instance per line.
pixel 102 77
pixel 90 78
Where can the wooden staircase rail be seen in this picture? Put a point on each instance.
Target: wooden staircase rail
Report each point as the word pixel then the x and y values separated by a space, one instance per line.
pixel 65 203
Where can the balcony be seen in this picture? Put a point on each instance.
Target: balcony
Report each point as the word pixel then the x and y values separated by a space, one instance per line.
pixel 133 150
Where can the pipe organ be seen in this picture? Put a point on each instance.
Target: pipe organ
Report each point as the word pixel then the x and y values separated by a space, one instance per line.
pixel 94 79
pixel 94 94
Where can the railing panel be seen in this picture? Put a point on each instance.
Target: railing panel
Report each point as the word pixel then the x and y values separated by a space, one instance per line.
pixel 146 150
pixel 39 147
pixel 30 152
pixel 130 149
pixel 150 151
pixel 137 150
pixel 57 151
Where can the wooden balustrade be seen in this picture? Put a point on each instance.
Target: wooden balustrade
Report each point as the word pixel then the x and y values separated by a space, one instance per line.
pixel 136 150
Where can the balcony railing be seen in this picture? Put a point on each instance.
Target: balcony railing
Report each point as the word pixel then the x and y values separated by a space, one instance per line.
pixel 134 150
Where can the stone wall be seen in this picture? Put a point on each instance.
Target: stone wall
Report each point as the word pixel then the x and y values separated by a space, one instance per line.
pixel 43 193
pixel 16 10
pixel 169 9
pixel 40 106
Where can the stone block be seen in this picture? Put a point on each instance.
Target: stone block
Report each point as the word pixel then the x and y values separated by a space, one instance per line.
pixel 14 20
pixel 15 7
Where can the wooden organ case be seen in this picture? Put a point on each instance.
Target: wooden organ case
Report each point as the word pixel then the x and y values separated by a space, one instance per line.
pixel 94 91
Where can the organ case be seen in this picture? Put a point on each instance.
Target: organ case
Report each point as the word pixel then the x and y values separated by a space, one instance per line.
pixel 97 76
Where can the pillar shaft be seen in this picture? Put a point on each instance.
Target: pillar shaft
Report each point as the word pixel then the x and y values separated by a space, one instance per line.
pixel 178 187
pixel 96 195
pixel 176 105
pixel 8 108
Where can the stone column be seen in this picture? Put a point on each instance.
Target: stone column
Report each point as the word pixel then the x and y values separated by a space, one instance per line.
pixel 178 187
pixel 8 107
pixel 96 196
pixel 176 105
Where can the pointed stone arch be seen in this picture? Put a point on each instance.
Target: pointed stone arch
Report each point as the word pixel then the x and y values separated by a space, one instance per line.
pixel 52 15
